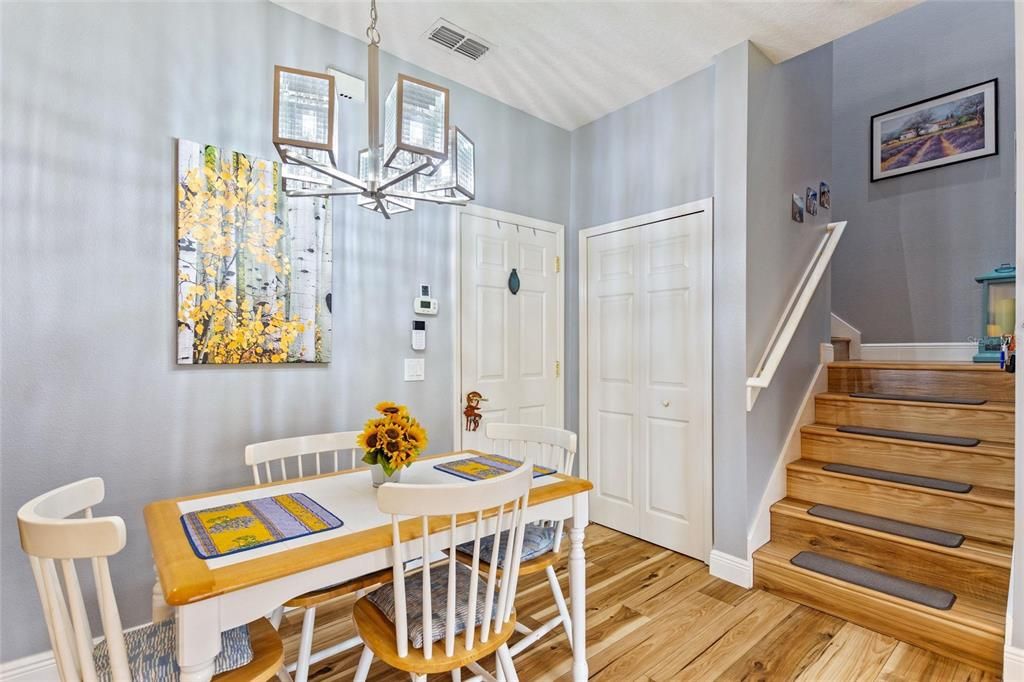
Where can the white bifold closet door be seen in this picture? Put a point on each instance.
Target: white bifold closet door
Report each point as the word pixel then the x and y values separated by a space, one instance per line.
pixel 648 305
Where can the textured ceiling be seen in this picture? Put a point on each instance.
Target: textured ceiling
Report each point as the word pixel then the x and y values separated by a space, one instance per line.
pixel 570 63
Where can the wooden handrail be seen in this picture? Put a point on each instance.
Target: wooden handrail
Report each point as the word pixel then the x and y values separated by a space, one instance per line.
pixel 794 313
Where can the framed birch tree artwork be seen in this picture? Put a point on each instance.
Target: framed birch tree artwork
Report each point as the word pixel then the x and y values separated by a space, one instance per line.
pixel 254 266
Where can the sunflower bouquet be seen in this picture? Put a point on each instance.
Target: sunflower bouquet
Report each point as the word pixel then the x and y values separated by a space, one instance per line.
pixel 393 440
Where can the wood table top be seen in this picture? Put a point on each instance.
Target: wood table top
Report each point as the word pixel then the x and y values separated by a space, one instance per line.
pixel 186 578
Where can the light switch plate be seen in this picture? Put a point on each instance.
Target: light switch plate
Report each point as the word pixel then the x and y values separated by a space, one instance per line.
pixel 414 369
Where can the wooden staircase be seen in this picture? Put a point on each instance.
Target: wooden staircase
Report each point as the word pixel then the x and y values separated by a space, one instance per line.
pixel 916 398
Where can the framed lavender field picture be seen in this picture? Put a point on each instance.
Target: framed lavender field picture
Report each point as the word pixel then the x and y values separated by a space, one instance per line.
pixel 950 128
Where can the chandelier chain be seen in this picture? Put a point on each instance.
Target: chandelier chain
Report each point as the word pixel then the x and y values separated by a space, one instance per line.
pixel 372 34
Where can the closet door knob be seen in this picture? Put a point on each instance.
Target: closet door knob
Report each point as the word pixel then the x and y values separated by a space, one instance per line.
pixel 665 403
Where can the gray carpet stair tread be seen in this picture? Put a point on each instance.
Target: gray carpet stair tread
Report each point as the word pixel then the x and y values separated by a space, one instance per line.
pixel 933 536
pixel 910 435
pixel 918 593
pixel 921 399
pixel 894 477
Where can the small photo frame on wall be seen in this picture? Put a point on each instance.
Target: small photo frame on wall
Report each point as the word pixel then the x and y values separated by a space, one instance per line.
pixel 825 196
pixel 812 202
pixel 950 128
pixel 797 209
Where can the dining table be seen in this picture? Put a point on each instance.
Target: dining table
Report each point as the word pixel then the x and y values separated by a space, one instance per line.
pixel 210 596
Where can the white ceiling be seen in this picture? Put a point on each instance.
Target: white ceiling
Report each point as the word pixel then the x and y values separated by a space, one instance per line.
pixel 570 63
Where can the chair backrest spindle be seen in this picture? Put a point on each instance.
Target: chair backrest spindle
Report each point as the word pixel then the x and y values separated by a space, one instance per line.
pixel 286 450
pixel 506 498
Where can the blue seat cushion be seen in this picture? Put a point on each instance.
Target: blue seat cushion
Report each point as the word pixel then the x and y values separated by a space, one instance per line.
pixel 384 599
pixel 151 652
pixel 537 540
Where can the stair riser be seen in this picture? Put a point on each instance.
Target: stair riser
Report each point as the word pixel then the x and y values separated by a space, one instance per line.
pixel 982 521
pixel 988 425
pixel 840 349
pixel 975 647
pixel 962 384
pixel 960 464
pixel 928 566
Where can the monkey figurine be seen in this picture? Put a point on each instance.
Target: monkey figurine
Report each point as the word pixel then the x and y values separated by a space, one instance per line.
pixel 472 411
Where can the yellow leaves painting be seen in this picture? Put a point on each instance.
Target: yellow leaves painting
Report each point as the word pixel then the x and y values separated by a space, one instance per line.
pixel 254 266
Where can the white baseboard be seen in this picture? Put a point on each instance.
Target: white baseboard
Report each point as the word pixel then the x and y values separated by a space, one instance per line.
pixel 919 352
pixel 845 330
pixel 41 667
pixel 36 668
pixel 732 568
pixel 760 529
pixel 1013 664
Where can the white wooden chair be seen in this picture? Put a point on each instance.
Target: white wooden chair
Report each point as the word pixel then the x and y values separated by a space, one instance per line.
pixel 287 458
pixel 550 447
pixel 442 611
pixel 50 537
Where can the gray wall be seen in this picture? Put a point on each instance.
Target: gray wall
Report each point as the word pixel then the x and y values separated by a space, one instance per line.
pixel 94 96
pixel 905 269
pixel 790 127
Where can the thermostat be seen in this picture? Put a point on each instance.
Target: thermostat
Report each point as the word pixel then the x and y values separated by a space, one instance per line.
pixel 424 304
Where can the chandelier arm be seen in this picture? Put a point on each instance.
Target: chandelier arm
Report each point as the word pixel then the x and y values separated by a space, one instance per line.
pixel 382 209
pixel 420 196
pixel 331 192
pixel 405 175
pixel 326 170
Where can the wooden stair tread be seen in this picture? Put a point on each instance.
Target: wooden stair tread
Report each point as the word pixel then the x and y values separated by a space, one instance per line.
pixel 993 448
pixel 991 406
pixel 966 611
pixel 971 550
pixel 934 365
pixel 978 494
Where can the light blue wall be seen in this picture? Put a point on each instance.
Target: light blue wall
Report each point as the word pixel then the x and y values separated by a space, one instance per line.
pixel 652 154
pixel 729 321
pixel 750 133
pixel 94 96
pixel 905 269
pixel 789 150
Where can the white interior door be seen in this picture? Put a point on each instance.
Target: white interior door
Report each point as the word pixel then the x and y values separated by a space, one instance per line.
pixel 510 342
pixel 648 380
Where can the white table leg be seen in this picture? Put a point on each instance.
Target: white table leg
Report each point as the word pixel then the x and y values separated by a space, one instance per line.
pixel 198 640
pixel 578 586
pixel 161 610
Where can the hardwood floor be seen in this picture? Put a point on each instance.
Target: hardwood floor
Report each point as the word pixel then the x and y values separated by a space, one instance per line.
pixel 657 615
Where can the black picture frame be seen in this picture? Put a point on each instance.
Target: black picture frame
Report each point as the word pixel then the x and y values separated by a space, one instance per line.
pixel 989 126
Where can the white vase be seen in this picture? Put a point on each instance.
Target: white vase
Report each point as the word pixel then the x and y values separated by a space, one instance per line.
pixel 380 478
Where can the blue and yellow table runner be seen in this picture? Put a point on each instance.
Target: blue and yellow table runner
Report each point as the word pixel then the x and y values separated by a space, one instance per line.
pixel 236 527
pixel 482 467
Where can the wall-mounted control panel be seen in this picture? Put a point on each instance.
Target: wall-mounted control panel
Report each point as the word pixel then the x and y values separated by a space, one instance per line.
pixel 419 334
pixel 424 304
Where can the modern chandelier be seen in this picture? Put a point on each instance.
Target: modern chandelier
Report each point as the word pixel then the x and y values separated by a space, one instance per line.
pixel 421 157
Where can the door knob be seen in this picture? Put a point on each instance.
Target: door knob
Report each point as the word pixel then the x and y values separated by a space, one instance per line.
pixel 665 403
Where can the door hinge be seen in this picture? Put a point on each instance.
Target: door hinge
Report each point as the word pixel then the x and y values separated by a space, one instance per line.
pixel 558 368
pixel 558 264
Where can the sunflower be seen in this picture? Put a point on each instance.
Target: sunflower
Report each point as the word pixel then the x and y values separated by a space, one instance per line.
pixel 393 431
pixel 370 439
pixel 389 408
pixel 417 435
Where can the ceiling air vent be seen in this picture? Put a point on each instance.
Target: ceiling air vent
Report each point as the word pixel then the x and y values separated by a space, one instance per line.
pixel 454 39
